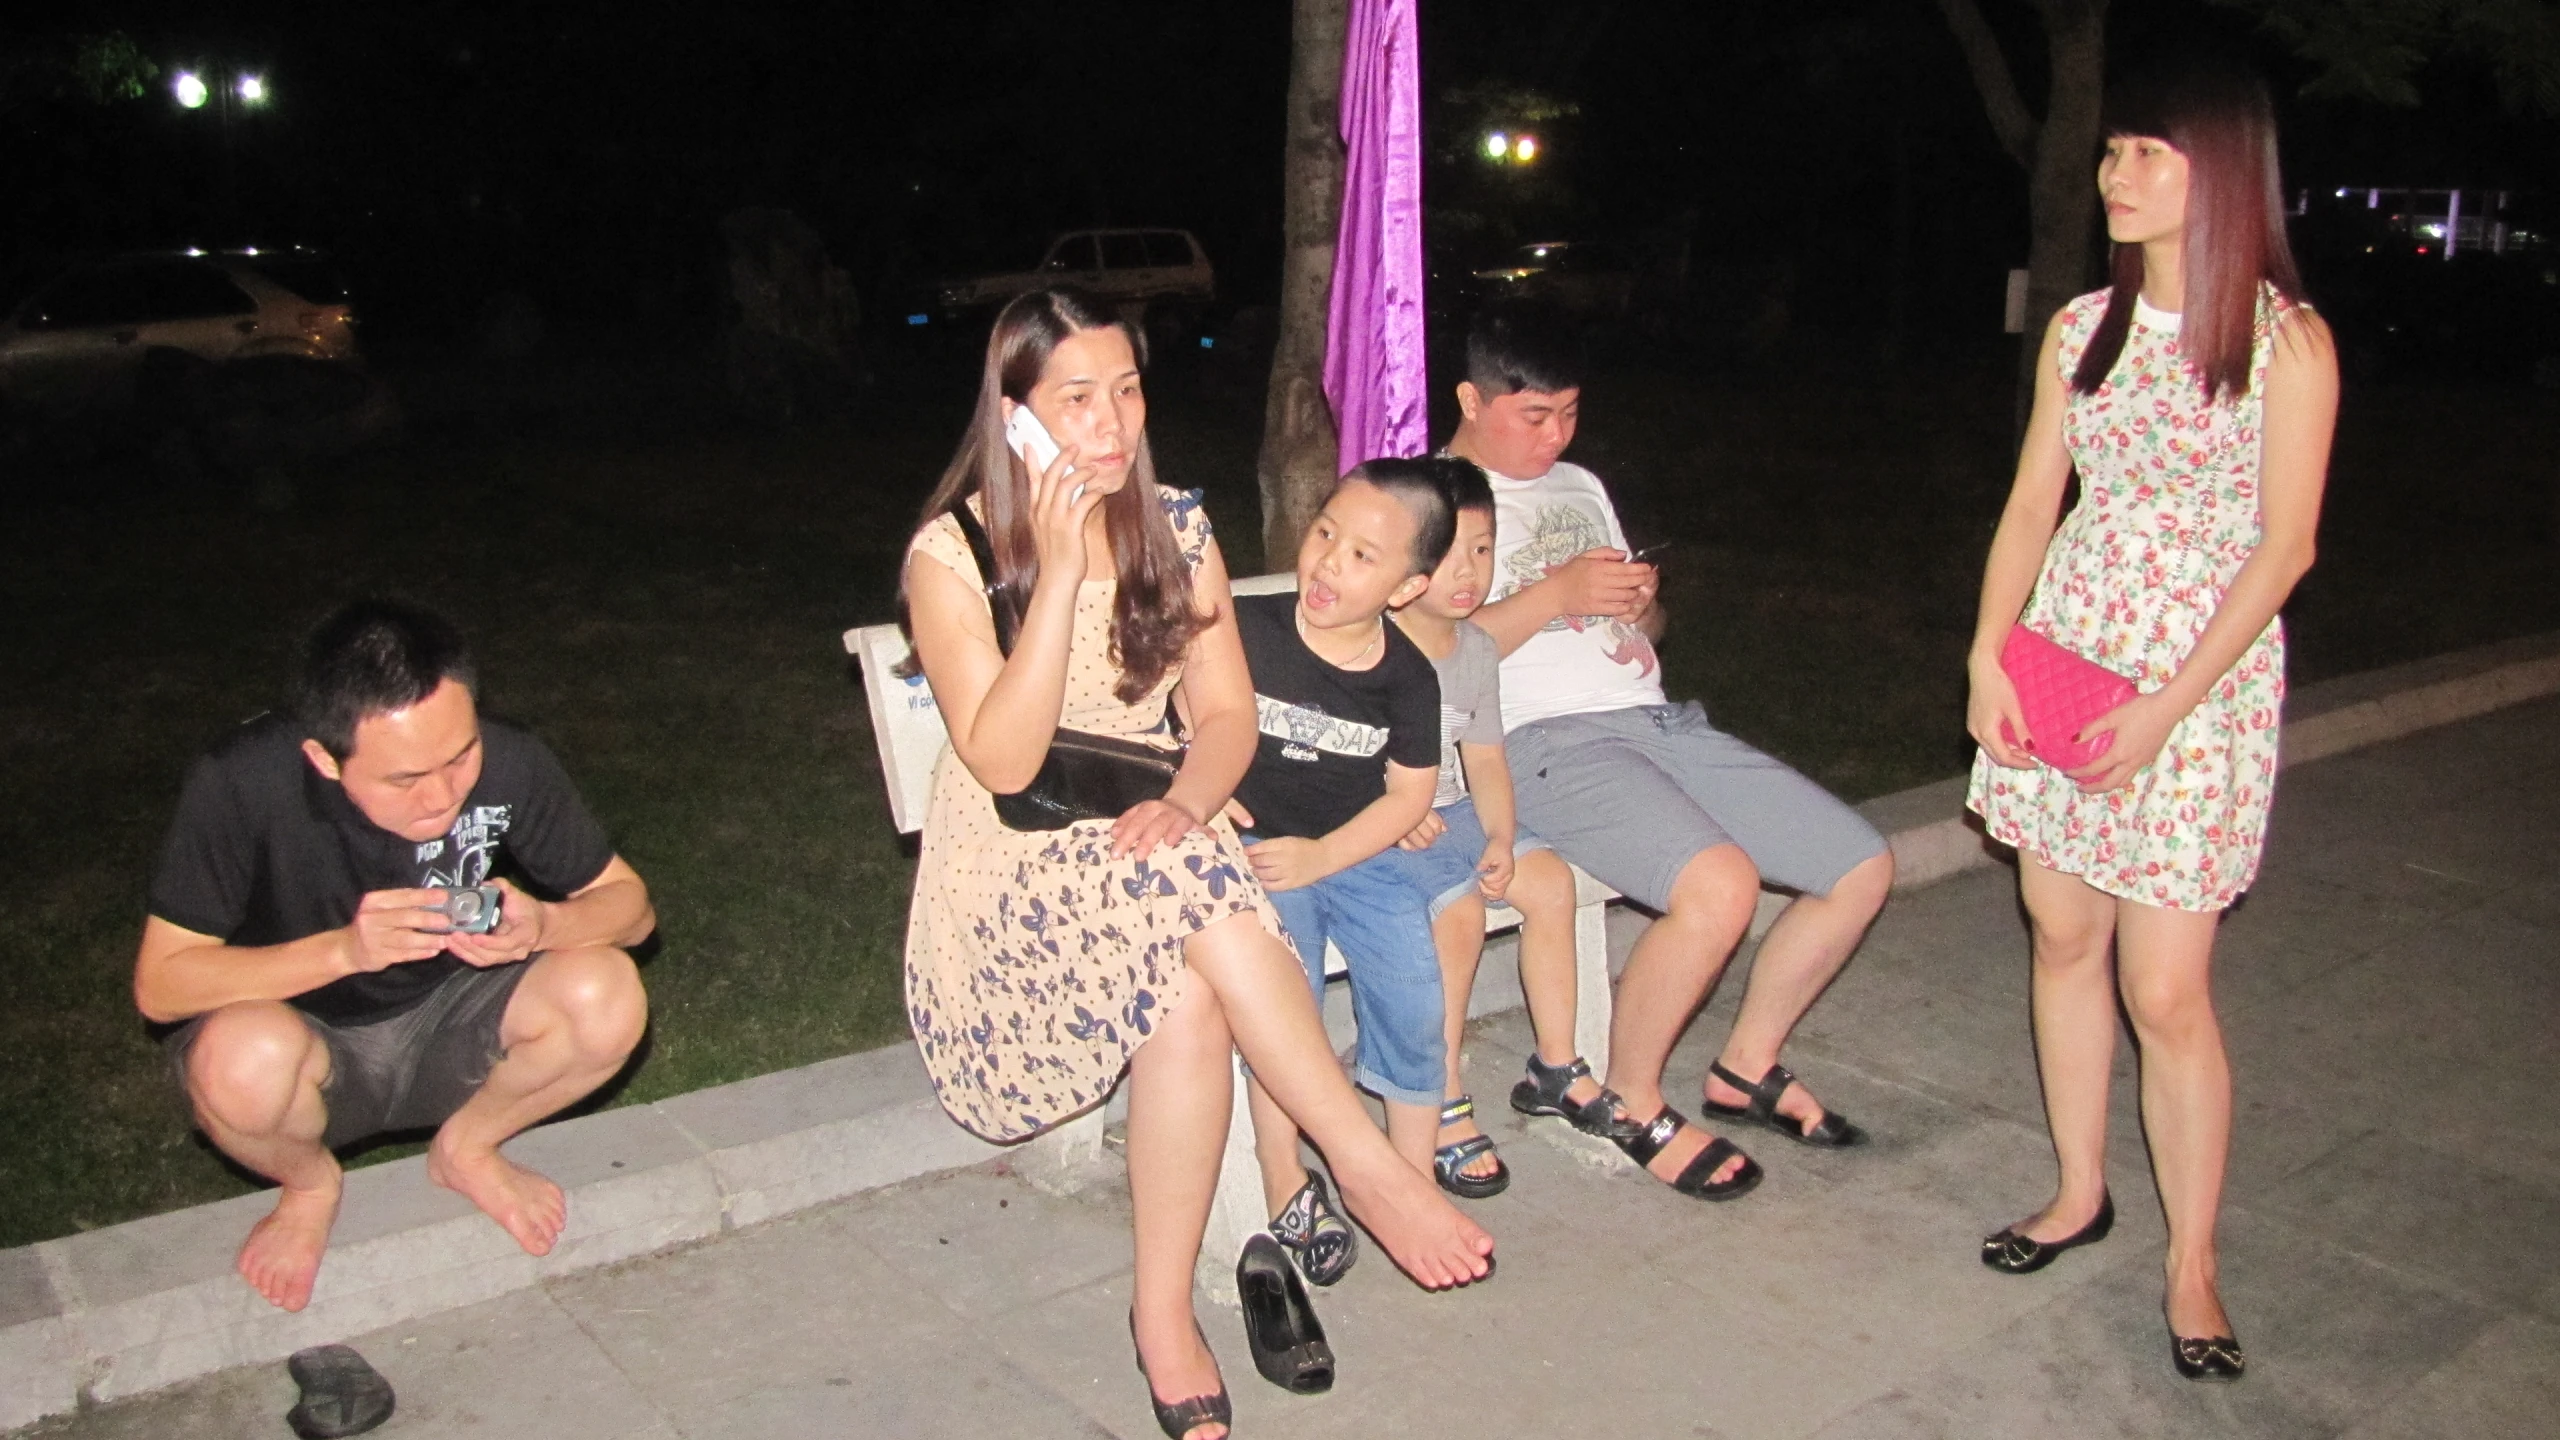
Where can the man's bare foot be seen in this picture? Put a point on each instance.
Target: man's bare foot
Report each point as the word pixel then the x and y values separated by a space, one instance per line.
pixel 281 1257
pixel 1419 1229
pixel 524 1204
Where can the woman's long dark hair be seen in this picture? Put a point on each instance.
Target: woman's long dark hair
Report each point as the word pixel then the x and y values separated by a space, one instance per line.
pixel 2216 113
pixel 1153 618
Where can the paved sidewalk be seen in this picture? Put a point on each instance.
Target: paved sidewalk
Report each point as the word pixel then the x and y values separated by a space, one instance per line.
pixel 2392 1239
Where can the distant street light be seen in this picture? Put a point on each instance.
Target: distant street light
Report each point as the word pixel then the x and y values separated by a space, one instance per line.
pixel 1496 145
pixel 189 89
pixel 247 90
pixel 1504 149
pixel 253 90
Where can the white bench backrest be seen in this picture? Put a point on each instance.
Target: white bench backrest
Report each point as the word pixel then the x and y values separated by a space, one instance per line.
pixel 908 725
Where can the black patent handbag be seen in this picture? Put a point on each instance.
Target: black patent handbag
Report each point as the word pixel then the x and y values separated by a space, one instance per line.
pixel 1086 776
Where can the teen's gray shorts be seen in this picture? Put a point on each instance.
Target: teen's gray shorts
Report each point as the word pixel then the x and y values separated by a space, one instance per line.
pixel 1633 795
pixel 409 1072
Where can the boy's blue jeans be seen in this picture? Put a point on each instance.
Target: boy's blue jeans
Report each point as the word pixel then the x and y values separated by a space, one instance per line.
pixel 1383 926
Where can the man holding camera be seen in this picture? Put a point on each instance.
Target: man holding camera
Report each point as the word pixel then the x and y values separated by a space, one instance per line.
pixel 382 913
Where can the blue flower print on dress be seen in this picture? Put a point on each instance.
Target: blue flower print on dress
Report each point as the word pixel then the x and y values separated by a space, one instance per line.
pixel 1135 1014
pixel 1216 874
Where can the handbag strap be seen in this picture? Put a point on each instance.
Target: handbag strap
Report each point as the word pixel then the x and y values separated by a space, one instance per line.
pixel 1007 622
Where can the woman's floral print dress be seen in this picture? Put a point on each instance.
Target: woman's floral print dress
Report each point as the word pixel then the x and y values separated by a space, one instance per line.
pixel 2168 512
pixel 1036 963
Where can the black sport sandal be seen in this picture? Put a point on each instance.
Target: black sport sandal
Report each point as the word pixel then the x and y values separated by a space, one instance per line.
pixel 1545 1092
pixel 1449 1163
pixel 1653 1136
pixel 1833 1133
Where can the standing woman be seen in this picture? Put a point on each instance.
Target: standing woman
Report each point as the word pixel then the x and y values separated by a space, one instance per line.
pixel 2195 399
pixel 1041 963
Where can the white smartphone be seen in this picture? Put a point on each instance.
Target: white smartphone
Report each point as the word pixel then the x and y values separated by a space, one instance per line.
pixel 1031 440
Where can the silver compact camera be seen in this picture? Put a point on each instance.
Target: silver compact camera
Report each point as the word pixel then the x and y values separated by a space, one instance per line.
pixel 469 909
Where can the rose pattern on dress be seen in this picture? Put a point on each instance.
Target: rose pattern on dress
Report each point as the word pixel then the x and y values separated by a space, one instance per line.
pixel 2167 515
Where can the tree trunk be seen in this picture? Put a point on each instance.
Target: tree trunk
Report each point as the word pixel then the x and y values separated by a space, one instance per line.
pixel 2059 153
pixel 2062 185
pixel 1298 439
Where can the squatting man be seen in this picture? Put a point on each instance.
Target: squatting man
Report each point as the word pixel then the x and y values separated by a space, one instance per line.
pixel 321 981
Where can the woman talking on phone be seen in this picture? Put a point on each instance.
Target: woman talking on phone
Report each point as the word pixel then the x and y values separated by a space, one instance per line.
pixel 2194 397
pixel 1041 963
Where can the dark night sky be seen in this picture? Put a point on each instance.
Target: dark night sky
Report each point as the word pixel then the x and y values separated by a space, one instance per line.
pixel 583 151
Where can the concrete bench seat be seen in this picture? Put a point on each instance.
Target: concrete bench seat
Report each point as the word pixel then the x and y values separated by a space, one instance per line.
pixel 911 738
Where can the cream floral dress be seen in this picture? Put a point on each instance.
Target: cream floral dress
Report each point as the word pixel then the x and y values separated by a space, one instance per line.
pixel 2168 513
pixel 1036 963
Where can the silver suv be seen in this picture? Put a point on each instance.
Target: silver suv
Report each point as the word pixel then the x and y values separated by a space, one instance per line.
pixel 94 339
pixel 1130 266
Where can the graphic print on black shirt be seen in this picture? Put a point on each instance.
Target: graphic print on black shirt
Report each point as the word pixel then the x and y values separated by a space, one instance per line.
pixel 1328 733
pixel 265 850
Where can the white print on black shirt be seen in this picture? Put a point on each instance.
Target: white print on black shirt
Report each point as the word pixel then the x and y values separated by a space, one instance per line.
pixel 475 836
pixel 1308 730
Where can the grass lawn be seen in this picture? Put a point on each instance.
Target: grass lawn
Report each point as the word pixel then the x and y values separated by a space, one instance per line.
pixel 659 595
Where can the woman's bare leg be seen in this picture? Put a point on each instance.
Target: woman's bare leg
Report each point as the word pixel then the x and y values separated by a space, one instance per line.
pixel 1263 991
pixel 2074 1003
pixel 2164 959
pixel 1179 1102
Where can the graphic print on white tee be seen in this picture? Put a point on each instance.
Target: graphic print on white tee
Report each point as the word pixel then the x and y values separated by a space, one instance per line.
pixel 475 835
pixel 1557 533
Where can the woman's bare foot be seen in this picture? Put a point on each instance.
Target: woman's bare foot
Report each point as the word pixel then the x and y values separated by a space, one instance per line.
pixel 2194 1302
pixel 524 1204
pixel 1419 1229
pixel 281 1257
pixel 1178 1365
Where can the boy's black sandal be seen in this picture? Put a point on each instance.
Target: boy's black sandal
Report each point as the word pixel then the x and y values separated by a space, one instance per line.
pixel 1180 1417
pixel 1651 1137
pixel 1449 1163
pixel 2011 1253
pixel 342 1394
pixel 1279 1322
pixel 1323 1242
pixel 1833 1133
pixel 1544 1092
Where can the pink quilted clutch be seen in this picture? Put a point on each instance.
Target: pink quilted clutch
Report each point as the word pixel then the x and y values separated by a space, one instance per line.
pixel 2060 692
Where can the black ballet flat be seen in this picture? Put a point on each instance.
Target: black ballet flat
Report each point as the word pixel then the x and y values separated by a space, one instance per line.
pixel 1179 1418
pixel 2011 1253
pixel 1280 1323
pixel 2209 1357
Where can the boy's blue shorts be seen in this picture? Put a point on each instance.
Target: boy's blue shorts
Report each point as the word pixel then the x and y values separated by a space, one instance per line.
pixel 1380 924
pixel 1446 873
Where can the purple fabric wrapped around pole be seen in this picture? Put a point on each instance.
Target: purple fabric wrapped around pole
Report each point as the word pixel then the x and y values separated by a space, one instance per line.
pixel 1373 358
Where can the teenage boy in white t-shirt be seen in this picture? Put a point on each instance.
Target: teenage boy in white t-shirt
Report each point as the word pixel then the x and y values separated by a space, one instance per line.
pixel 1646 795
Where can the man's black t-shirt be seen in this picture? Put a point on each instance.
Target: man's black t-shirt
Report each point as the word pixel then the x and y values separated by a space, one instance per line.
pixel 1327 733
pixel 266 850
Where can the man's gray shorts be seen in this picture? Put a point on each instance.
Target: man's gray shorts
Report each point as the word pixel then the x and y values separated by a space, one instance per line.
pixel 409 1072
pixel 1634 795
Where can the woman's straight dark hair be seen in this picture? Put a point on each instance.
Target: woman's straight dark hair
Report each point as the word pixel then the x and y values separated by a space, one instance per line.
pixel 1153 618
pixel 2216 113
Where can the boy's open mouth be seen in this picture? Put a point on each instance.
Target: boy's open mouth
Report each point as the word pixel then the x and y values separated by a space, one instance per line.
pixel 1316 595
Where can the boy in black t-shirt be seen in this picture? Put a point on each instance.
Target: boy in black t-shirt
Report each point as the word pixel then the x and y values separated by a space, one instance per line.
pixel 301 944
pixel 1348 763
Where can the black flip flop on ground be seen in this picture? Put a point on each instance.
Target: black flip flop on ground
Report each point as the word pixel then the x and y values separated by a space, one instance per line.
pixel 341 1393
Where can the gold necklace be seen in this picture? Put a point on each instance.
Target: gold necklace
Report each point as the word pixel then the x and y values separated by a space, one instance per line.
pixel 1301 617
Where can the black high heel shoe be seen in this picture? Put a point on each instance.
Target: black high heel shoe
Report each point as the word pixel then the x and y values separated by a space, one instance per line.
pixel 2210 1357
pixel 1279 1323
pixel 2011 1253
pixel 1181 1417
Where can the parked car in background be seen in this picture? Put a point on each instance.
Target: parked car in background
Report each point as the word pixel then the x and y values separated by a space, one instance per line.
pixel 1162 274
pixel 1592 281
pixel 103 336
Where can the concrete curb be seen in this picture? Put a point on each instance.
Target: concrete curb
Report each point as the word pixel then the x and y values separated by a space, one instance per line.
pixel 118 1311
